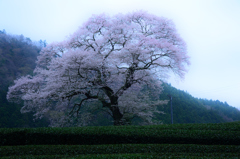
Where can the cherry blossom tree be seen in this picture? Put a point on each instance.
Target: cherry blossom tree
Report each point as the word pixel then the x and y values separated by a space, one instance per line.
pixel 108 59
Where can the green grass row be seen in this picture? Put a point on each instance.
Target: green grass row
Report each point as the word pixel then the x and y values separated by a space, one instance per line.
pixel 208 134
pixel 121 149
pixel 131 156
pixel 157 141
pixel 231 126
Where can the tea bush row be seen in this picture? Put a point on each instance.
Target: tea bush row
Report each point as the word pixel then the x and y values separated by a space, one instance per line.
pixel 121 135
pixel 75 150
pixel 131 156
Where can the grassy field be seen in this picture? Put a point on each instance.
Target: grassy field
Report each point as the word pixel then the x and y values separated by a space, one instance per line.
pixel 156 141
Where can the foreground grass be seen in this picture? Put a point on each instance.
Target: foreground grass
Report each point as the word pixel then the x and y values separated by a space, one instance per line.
pixel 116 148
pixel 162 141
pixel 131 156
pixel 207 134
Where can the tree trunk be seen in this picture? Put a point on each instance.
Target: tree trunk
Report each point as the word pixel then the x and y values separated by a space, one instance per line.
pixel 117 115
pixel 113 106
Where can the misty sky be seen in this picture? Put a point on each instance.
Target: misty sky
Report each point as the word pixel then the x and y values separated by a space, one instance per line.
pixel 211 29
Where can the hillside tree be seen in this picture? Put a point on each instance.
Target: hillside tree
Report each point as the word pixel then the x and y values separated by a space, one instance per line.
pixel 17 58
pixel 108 59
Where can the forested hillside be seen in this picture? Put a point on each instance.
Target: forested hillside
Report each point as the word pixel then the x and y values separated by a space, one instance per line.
pixel 187 109
pixel 17 58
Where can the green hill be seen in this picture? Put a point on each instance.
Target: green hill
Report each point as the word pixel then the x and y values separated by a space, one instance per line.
pixel 17 58
pixel 187 109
